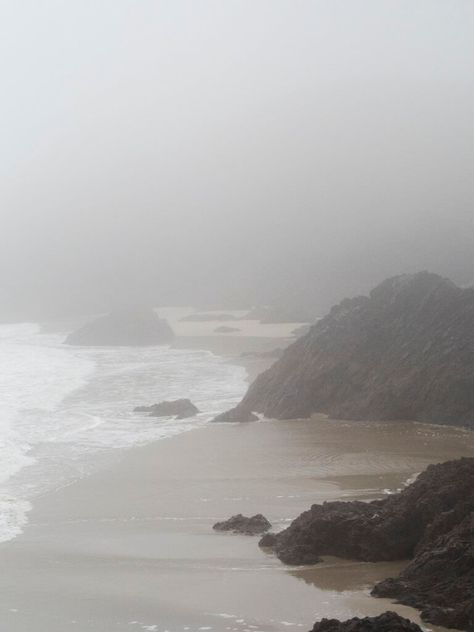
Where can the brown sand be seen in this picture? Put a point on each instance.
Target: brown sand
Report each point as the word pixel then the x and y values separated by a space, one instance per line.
pixel 132 547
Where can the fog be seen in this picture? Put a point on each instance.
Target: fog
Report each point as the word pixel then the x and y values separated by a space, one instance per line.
pixel 231 152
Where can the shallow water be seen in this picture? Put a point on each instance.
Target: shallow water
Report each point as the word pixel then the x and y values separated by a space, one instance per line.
pixel 62 407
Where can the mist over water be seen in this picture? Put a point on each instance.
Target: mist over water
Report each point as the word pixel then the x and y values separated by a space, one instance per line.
pixel 231 153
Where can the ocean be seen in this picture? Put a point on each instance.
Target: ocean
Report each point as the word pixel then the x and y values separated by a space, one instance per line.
pixel 65 410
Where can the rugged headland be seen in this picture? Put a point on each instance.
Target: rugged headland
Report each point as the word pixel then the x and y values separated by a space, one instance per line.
pixel 430 522
pixel 405 352
pixel 126 327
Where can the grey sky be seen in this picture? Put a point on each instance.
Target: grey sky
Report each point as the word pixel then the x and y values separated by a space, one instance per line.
pixel 238 150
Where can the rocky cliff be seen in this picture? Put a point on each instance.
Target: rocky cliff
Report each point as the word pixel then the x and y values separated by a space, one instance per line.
pixel 431 522
pixel 405 352
pixel 123 327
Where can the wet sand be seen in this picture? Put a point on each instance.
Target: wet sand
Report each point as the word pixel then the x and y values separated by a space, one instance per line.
pixel 132 548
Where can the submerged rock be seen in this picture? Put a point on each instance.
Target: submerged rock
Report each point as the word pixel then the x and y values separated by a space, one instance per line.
pixel 406 352
pixel 431 521
pixel 242 524
pixel 181 408
pixel 123 328
pixel 386 622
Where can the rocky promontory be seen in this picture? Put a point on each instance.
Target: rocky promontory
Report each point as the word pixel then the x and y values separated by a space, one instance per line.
pixel 127 327
pixel 405 352
pixel 431 522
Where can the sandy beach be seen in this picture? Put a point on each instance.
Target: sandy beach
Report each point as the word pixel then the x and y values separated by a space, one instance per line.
pixel 132 548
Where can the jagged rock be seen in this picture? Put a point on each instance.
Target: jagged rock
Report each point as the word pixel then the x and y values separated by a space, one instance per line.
pixel 389 529
pixel 237 414
pixel 440 579
pixel 386 622
pixel 223 329
pixel 180 408
pixel 406 352
pixel 123 327
pixel 431 521
pixel 242 524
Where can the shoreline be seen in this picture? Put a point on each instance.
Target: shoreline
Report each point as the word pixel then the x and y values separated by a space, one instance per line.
pixel 131 545
pixel 134 541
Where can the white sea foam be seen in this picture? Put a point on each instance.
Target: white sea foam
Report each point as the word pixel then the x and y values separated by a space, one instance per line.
pixel 61 406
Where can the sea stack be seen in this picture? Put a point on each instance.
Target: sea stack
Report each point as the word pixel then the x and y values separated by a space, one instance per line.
pixel 127 327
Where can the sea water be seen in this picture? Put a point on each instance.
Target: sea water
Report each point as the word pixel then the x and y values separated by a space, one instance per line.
pixel 63 407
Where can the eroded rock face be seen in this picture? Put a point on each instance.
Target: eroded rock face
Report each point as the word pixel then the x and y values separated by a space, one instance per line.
pixel 440 579
pixel 406 352
pixel 393 528
pixel 431 521
pixel 242 524
pixel 180 408
pixel 123 328
pixel 386 622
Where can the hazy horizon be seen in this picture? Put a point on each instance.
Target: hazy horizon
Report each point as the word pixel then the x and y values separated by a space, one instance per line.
pixel 232 153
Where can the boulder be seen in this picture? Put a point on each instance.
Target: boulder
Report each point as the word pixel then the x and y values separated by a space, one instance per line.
pixel 179 408
pixel 242 524
pixel 386 622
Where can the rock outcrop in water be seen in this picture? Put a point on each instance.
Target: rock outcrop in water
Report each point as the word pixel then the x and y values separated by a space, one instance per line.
pixel 254 525
pixel 431 521
pixel 179 408
pixel 123 328
pixel 386 622
pixel 406 352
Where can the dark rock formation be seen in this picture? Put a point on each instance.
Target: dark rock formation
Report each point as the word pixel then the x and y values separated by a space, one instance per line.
pixel 386 622
pixel 124 327
pixel 431 521
pixel 237 414
pixel 406 352
pixel 179 408
pixel 223 329
pixel 242 524
pixel 440 579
